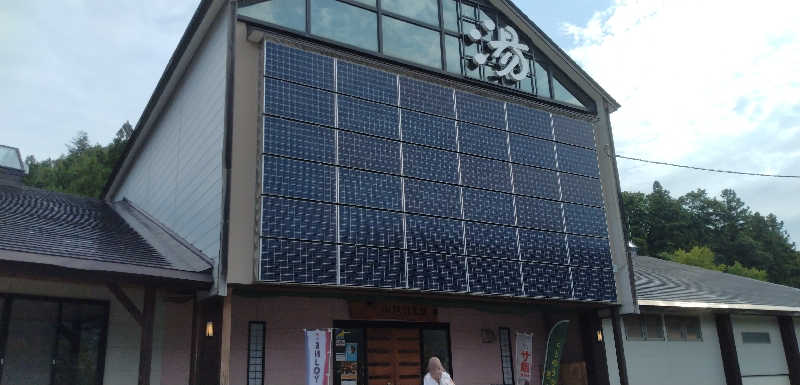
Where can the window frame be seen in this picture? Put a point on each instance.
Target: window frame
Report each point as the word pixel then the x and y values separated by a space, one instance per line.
pixel 758 333
pixel 684 327
pixel 263 349
pixel 500 332
pixel 641 320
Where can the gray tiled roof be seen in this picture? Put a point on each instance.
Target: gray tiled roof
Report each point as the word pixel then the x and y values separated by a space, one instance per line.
pixel 666 283
pixel 44 223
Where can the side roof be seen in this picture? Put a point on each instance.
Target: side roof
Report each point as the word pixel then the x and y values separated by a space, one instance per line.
pixel 64 230
pixel 666 283
pixel 206 11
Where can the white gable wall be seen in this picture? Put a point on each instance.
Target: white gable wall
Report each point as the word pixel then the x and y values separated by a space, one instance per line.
pixel 177 176
pixel 760 363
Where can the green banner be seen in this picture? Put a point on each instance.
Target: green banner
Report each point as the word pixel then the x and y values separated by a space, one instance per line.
pixel 552 357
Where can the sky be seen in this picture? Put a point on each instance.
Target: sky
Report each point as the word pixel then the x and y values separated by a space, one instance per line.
pixel 706 83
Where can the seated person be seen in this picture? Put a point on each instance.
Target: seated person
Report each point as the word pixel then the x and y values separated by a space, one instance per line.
pixel 436 374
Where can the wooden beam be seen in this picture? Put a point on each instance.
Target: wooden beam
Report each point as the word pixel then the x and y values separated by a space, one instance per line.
pixel 126 301
pixel 790 348
pixel 622 363
pixel 727 346
pixel 146 344
pixel 225 343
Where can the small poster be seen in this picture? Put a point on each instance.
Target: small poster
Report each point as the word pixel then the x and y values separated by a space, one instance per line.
pixel 349 372
pixel 351 352
pixel 318 353
pixel 524 358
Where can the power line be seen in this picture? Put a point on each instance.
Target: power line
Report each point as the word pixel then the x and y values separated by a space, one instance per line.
pixel 708 169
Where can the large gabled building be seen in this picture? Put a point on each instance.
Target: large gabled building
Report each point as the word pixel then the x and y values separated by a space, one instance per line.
pixel 426 177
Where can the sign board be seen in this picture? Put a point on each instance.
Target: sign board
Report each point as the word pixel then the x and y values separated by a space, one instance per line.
pixel 524 358
pixel 318 353
pixel 552 357
pixel 392 311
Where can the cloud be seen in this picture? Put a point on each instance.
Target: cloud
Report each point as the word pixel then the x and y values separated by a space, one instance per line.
pixel 712 84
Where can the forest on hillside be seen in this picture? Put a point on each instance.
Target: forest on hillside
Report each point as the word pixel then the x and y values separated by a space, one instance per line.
pixel 720 233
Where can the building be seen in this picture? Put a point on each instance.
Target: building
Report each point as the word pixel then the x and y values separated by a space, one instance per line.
pixel 702 326
pixel 426 177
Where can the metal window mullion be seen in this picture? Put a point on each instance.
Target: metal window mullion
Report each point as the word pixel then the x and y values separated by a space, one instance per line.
pixel 561 203
pixel 379 14
pixel 337 175
pixel 513 196
pixel 308 17
pixel 402 181
pixel 461 191
pixel 441 35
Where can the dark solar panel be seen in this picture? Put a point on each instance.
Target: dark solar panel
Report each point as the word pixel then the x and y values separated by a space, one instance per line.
pixel 437 272
pixel 482 141
pixel 299 179
pixel 529 121
pixel 369 153
pixel 435 235
pixel 542 246
pixel 535 182
pixel 585 220
pixel 579 189
pixel 426 97
pixel 593 284
pixel 548 281
pixel 429 130
pixel 289 218
pixel 367 83
pixel 298 102
pixel 297 261
pixel 481 110
pixel 298 66
pixel 368 117
pixel 573 131
pixel 370 189
pixel 372 267
pixel 299 140
pixel 432 198
pixel 362 226
pixel 485 173
pixel 488 206
pixel 532 151
pixel 577 160
pixel 491 241
pixel 589 252
pixel 539 214
pixel 491 276
pixel 427 163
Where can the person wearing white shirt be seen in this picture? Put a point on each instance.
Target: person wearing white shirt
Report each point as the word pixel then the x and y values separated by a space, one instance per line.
pixel 436 374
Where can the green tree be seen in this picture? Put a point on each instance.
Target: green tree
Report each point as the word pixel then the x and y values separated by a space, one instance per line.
pixel 702 256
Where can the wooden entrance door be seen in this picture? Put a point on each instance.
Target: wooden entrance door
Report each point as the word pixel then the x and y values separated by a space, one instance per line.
pixel 393 356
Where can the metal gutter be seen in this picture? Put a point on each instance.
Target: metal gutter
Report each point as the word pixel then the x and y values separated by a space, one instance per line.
pixel 719 306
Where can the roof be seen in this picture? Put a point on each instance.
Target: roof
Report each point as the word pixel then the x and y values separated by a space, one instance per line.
pixel 38 226
pixel 666 283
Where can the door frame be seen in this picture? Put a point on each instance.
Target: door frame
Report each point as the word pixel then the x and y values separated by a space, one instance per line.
pixel 364 324
pixel 5 318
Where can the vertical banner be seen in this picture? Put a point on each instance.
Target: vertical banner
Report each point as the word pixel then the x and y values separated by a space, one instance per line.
pixel 552 357
pixel 524 358
pixel 318 353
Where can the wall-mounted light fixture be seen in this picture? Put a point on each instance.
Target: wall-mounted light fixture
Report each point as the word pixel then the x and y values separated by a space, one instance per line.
pixel 599 336
pixel 209 329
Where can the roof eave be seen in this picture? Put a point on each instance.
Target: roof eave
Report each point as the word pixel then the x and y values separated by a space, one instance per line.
pixel 693 305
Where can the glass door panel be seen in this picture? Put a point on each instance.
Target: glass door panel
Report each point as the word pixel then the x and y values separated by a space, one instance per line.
pixel 79 341
pixel 31 333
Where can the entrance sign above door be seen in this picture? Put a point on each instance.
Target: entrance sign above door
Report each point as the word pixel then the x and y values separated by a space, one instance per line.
pixel 392 311
pixel 505 53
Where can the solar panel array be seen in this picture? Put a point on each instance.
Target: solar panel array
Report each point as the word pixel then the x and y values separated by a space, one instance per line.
pixel 373 179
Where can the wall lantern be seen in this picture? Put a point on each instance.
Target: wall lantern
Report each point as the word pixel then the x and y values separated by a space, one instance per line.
pixel 209 329
pixel 599 336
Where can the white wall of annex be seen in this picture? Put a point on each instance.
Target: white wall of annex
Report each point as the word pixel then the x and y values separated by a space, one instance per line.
pixel 674 362
pixel 177 176
pixel 611 352
pixel 760 364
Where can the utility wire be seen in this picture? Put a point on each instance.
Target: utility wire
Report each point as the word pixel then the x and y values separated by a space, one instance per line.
pixel 707 169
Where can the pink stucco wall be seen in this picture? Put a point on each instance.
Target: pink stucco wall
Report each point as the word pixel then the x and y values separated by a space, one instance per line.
pixel 474 362
pixel 177 344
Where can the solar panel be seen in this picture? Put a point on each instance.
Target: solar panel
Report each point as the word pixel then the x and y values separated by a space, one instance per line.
pixel 369 153
pixel 298 66
pixel 364 82
pixel 437 272
pixel 370 189
pixel 548 281
pixel 368 117
pixel 299 140
pixel 298 102
pixel 491 241
pixel 539 214
pixel 535 182
pixel 426 97
pixel 577 160
pixel 485 173
pixel 289 218
pixel 284 260
pixel 299 179
pixel 488 206
pixel 481 110
pixel 362 226
pixel 482 141
pixel 589 252
pixel 593 284
pixel 491 276
pixel 529 121
pixel 542 246
pixel 532 152
pixel 427 163
pixel 573 131
pixel 429 130
pixel 579 189
pixel 435 235
pixel 432 198
pixel 372 267
pixel 585 220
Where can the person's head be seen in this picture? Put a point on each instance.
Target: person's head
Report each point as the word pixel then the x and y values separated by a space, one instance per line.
pixel 435 368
